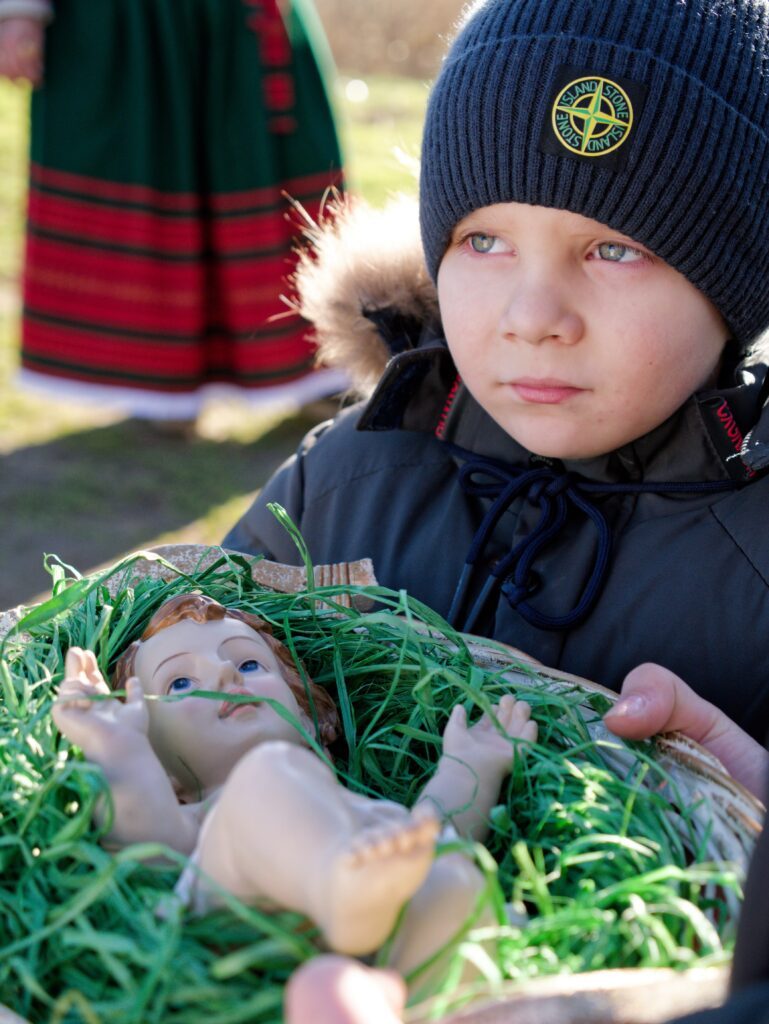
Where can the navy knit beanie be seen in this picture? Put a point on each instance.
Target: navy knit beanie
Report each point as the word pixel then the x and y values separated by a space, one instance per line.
pixel 650 116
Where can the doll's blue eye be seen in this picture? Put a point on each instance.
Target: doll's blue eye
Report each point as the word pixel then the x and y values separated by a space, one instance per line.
pixel 249 666
pixel 180 684
pixel 482 243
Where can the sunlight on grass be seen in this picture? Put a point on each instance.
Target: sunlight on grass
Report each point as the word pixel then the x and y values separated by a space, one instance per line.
pixel 210 528
pixel 13 170
pixel 381 127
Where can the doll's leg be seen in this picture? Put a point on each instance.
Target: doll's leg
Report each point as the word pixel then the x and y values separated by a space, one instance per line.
pixel 285 832
pixel 435 914
pixel 331 989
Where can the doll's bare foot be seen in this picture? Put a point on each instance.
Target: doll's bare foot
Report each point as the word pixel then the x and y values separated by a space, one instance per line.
pixel 368 880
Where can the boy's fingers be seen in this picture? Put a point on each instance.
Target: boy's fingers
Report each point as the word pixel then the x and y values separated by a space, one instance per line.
pixel 28 49
pixel 28 55
pixel 21 49
pixel 31 69
pixel 653 700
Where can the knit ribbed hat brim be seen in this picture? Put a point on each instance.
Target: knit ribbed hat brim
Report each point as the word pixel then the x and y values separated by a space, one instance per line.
pixel 689 181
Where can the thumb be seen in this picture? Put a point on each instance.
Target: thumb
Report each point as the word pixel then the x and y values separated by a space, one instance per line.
pixel 648 703
pixel 654 700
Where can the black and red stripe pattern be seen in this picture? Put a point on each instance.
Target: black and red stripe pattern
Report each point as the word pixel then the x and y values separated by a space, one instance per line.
pixel 130 286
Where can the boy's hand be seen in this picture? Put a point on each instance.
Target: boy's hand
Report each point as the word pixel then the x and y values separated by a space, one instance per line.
pixel 105 730
pixel 655 700
pixel 482 745
pixel 21 49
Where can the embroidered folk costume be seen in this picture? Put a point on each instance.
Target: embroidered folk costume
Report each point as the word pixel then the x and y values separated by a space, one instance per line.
pixel 169 141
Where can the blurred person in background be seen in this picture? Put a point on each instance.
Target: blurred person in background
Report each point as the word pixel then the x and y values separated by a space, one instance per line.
pixel 169 139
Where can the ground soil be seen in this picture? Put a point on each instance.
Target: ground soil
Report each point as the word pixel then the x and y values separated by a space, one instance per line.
pixel 94 495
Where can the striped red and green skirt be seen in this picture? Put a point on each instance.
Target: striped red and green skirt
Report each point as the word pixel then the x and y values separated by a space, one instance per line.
pixel 168 142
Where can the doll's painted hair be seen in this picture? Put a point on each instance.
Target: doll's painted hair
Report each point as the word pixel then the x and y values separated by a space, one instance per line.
pixel 311 698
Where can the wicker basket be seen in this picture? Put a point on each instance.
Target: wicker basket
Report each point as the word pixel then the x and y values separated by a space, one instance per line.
pixel 633 996
pixel 639 996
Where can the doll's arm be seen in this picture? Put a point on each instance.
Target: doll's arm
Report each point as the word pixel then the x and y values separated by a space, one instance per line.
pixel 474 763
pixel 21 42
pixel 113 735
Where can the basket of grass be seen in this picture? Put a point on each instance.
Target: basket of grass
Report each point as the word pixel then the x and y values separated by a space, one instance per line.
pixel 605 861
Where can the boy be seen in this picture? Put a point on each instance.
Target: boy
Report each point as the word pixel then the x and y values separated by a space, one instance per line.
pixel 571 460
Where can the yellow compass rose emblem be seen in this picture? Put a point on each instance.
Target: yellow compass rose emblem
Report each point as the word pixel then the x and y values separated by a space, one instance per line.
pixel 592 116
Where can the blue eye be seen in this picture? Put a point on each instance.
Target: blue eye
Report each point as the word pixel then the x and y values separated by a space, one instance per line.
pixel 180 684
pixel 482 243
pixel 249 666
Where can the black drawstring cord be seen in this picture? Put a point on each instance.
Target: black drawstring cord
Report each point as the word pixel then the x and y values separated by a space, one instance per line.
pixel 554 491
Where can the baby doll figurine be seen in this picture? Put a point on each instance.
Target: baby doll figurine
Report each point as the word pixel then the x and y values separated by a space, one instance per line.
pixel 233 782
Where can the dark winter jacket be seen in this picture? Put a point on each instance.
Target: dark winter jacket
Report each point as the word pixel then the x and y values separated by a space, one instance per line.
pixel 655 552
pixel 749 1002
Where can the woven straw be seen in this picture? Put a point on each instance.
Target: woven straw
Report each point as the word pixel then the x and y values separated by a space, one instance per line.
pixel 734 818
pixel 638 996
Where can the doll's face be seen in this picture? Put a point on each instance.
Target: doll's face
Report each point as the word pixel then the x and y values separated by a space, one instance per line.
pixel 198 739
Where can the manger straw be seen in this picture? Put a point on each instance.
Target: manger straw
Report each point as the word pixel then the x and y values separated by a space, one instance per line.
pixel 602 856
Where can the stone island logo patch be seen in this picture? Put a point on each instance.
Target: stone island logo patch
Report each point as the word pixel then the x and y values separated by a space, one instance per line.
pixel 592 116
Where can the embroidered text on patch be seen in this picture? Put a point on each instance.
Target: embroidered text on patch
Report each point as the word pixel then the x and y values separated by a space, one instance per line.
pixel 592 116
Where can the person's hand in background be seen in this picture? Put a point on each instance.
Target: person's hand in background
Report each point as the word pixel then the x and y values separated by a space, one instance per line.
pixel 21 49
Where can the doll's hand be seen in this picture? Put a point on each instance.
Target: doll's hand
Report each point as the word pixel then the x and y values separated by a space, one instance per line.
pixel 21 49
pixel 481 744
pixel 103 729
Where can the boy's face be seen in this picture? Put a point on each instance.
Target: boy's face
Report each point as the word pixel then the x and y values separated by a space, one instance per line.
pixel 575 339
pixel 198 739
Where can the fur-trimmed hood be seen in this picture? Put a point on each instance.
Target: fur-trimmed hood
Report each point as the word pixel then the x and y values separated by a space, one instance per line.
pixel 362 282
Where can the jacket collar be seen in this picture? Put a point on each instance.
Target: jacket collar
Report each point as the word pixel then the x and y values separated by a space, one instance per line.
pixel 719 433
